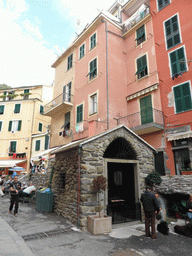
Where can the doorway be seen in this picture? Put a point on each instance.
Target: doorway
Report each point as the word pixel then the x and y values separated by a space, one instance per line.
pixel 121 192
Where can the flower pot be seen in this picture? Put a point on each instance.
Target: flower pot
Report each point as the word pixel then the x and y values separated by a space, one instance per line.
pixel 97 225
pixel 186 172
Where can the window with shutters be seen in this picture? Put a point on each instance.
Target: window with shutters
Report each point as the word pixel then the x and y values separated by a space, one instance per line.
pixel 70 62
pixel 142 67
pixel 26 94
pixel 41 110
pixel 12 146
pixel 14 126
pixel 67 121
pixel 79 114
pixel 182 95
pixel 17 108
pixel 1 123
pixel 140 35
pixel 67 92
pixel 81 51
pixel 93 104
pixel 40 127
pixel 92 69
pixel 177 60
pixel 46 142
pixel 93 41
pixel 2 107
pixel 162 4
pixel 37 145
pixel 172 32
pixel 146 111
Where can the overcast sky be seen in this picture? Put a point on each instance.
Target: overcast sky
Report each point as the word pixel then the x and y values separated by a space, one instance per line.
pixel 35 32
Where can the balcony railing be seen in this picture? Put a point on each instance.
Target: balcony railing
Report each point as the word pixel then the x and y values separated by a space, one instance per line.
pixel 136 18
pixel 64 100
pixel 144 121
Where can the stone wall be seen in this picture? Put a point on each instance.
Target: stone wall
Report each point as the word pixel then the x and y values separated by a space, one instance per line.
pixel 39 180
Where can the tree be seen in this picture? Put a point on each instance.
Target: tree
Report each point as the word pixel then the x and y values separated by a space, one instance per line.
pixel 4 86
pixel 153 178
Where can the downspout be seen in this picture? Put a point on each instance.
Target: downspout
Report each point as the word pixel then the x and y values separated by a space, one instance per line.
pixel 79 189
pixel 107 82
pixel 30 152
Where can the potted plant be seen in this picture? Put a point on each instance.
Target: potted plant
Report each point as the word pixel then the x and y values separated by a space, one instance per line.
pixel 25 95
pixel 153 179
pixel 187 171
pixel 98 224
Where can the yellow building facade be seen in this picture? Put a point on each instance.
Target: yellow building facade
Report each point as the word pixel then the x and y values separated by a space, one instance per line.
pixel 21 116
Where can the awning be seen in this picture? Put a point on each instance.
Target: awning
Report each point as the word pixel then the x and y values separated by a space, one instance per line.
pixel 10 163
pixel 179 136
pixel 43 153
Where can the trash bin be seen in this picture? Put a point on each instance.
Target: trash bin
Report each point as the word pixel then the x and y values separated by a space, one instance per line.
pixel 44 201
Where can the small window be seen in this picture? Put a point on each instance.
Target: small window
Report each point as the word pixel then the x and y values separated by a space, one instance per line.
pixel 41 110
pixel 67 92
pixel 82 51
pixel 93 41
pixel 14 126
pixel 172 32
pixel 67 121
pixel 141 67
pixel 1 123
pixel 17 108
pixel 162 4
pixel 62 180
pixel 26 94
pixel 46 142
pixel 70 62
pixel 178 63
pixel 92 69
pixel 37 145
pixel 93 104
pixel 12 147
pixel 2 107
pixel 182 94
pixel 79 117
pixel 140 35
pixel 40 127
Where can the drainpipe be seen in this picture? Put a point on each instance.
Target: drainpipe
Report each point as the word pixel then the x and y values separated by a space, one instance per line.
pixel 79 189
pixel 107 82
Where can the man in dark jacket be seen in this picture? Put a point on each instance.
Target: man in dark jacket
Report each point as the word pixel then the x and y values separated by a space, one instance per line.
pixel 151 207
pixel 15 187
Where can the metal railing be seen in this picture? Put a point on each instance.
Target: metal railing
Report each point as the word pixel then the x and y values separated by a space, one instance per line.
pixel 136 19
pixel 62 98
pixel 141 118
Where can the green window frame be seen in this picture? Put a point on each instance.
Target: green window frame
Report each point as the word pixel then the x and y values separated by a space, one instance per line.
pixel 140 33
pixel 37 145
pixel 79 116
pixel 40 127
pixel 67 92
pixel 182 95
pixel 17 108
pixel 41 110
pixel 93 41
pixel 162 4
pixel 1 123
pixel 67 120
pixel 177 61
pixel 82 51
pixel 26 91
pixel 70 62
pixel 13 146
pixel 142 67
pixel 146 110
pixel 18 126
pixel 92 69
pixel 172 32
pixel 46 142
pixel 2 108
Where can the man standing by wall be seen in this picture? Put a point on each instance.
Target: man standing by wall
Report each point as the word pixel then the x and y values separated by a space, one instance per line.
pixel 15 186
pixel 151 207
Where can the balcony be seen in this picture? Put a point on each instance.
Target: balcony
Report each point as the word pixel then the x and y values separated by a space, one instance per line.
pixel 141 14
pixel 62 103
pixel 144 122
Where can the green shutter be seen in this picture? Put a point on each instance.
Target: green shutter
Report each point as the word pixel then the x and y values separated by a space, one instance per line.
pixel 182 96
pixel 40 127
pixel 10 126
pixel 41 109
pixel 140 35
pixel 93 41
pixel 141 67
pixel 82 51
pixel 177 61
pixel 172 32
pixel 0 125
pixel 2 109
pixel 5 93
pixel 163 3
pixel 13 146
pixel 46 141
pixel 17 108
pixel 146 110
pixel 19 125
pixel 80 113
pixel 37 145
pixel 26 91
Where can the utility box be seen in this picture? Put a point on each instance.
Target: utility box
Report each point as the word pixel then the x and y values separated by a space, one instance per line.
pixel 44 201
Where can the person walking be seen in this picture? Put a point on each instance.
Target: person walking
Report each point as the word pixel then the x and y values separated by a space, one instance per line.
pixel 15 187
pixel 151 207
